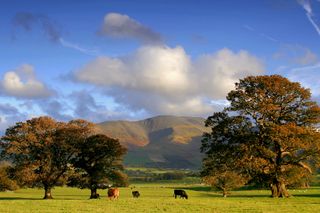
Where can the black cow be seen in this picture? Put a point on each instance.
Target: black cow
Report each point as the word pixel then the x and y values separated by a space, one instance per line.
pixel 181 193
pixel 136 194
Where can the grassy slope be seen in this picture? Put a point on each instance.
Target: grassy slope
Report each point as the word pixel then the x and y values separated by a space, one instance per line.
pixel 158 198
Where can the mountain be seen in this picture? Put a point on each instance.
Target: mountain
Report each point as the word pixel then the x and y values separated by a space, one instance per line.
pixel 162 141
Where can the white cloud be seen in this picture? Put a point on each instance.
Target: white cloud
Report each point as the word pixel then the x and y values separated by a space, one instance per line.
pixel 164 80
pixel 217 73
pixel 122 26
pixel 159 70
pixel 22 83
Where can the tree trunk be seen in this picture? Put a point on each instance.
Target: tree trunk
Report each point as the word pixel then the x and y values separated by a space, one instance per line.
pixel 47 193
pixel 278 189
pixel 94 194
pixel 224 193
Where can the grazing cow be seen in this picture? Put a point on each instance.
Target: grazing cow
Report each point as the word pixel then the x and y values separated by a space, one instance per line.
pixel 135 194
pixel 181 193
pixel 113 193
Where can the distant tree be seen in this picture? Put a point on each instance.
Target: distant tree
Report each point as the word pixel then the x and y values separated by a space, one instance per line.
pixel 41 150
pixel 268 131
pixel 172 176
pixel 225 181
pixel 99 162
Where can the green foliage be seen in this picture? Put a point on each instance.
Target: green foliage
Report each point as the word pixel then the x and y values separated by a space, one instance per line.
pixel 99 161
pixel 161 175
pixel 225 181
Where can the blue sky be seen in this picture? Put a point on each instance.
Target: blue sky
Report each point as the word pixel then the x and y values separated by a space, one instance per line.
pixel 105 60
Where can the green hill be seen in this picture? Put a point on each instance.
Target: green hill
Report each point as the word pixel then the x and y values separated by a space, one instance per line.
pixel 162 141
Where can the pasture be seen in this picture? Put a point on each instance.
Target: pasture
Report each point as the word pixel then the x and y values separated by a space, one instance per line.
pixel 159 198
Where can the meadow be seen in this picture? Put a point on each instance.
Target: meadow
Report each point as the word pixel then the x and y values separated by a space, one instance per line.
pixel 158 197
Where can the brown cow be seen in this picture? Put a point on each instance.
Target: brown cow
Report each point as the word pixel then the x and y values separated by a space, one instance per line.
pixel 113 193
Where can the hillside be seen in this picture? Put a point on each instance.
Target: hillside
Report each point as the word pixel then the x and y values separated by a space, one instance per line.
pixel 162 141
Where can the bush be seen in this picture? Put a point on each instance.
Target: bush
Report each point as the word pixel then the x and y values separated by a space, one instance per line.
pixel 6 180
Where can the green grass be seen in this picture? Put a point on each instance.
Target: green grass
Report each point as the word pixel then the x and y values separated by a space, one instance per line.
pixel 158 198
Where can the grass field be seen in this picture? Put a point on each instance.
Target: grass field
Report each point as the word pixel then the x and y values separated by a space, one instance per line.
pixel 158 198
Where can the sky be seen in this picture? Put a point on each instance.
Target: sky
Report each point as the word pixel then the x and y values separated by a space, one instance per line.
pixel 122 59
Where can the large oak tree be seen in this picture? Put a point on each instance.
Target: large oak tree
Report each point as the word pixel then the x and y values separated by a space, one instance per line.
pixel 268 131
pixel 41 150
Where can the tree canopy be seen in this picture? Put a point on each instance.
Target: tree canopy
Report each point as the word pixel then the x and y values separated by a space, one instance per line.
pixel 99 162
pixel 39 159
pixel 269 131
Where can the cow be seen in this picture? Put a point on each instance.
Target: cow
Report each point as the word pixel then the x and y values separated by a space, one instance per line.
pixel 181 193
pixel 135 194
pixel 113 193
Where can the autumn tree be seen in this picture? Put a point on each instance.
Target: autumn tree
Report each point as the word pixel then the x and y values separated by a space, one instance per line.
pixel 269 131
pixel 7 181
pixel 41 150
pixel 99 161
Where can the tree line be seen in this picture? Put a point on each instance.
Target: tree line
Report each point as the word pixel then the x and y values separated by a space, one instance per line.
pixel 154 176
pixel 42 152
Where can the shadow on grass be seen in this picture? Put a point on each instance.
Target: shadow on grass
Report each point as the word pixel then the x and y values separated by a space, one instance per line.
pixel 195 188
pixel 218 195
pixel 64 197
pixel 19 198
pixel 305 195
pixel 88 195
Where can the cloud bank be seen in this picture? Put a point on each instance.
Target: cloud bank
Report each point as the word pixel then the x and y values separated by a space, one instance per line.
pixel 118 25
pixel 164 80
pixel 23 83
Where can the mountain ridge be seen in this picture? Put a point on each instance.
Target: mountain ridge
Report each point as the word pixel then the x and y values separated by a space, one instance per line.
pixel 161 141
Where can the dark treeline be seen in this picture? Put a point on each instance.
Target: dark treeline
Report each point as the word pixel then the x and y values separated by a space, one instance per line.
pixel 151 176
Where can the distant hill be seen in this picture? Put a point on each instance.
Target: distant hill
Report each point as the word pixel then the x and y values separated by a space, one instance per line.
pixel 162 141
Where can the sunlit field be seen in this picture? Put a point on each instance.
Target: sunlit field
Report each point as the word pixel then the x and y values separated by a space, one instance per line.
pixel 159 198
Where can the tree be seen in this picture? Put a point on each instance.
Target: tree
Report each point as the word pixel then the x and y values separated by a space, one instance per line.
pixel 222 164
pixel 41 150
pixel 7 181
pixel 225 181
pixel 99 161
pixel 269 131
